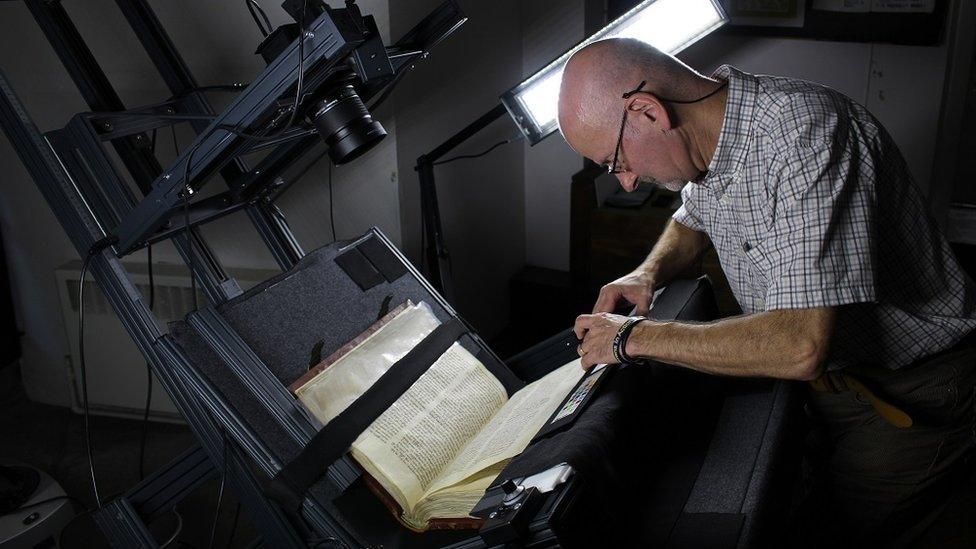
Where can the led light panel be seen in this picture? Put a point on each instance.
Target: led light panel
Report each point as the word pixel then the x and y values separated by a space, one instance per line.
pixel 668 25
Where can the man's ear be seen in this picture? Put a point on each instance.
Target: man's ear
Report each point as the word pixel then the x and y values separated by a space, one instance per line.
pixel 651 108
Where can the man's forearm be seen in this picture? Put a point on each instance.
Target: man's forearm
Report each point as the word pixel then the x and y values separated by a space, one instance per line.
pixel 676 250
pixel 786 344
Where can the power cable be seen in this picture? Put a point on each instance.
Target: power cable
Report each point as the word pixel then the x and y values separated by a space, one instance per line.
pixel 92 252
pixel 331 205
pixel 233 526
pixel 149 379
pixel 298 88
pixel 251 4
pixel 176 532
pixel 188 190
pixel 220 496
pixel 483 153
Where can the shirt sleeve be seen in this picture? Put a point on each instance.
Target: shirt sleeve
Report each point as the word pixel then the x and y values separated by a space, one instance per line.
pixel 821 251
pixel 687 213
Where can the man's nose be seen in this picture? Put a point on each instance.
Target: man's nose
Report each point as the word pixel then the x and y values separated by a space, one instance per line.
pixel 628 181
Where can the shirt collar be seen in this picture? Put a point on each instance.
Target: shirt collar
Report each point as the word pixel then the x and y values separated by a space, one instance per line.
pixel 731 149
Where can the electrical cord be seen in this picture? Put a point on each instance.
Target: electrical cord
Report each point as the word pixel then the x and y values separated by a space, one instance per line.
pixel 188 190
pixel 92 252
pixel 189 237
pixel 233 526
pixel 263 15
pixel 483 153
pixel 331 206
pixel 251 4
pixel 152 304
pixel 298 88
pixel 149 384
pixel 220 496
pixel 176 532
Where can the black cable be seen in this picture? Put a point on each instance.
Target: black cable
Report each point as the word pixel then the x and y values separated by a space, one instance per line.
pixel 254 16
pixel 176 532
pixel 71 521
pixel 264 15
pixel 493 147
pixel 233 526
pixel 189 240
pixel 92 252
pixel 310 165
pixel 220 496
pixel 149 383
pixel 187 191
pixel 331 205
pixel 84 375
pixel 298 88
pixel 236 130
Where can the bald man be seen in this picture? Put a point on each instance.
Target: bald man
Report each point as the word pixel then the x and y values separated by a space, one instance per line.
pixel 843 277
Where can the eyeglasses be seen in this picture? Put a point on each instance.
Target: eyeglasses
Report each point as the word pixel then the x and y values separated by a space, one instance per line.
pixel 612 168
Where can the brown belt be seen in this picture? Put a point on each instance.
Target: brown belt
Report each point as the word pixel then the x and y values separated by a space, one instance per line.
pixel 836 382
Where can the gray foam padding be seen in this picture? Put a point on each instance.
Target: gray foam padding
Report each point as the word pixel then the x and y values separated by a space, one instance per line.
pixel 737 476
pixel 312 310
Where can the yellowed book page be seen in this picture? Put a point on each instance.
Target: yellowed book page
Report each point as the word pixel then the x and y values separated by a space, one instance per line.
pixel 509 432
pixel 335 388
pixel 411 442
pixel 456 501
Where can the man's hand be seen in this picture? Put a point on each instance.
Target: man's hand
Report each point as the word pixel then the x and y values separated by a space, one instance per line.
pixel 636 287
pixel 597 332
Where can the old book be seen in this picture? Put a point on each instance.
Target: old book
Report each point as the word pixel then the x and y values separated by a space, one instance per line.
pixel 352 344
pixel 434 452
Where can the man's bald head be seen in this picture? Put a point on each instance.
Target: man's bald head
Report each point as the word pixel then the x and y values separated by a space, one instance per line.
pixel 598 75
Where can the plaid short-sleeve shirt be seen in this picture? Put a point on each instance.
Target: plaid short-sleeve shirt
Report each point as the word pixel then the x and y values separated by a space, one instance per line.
pixel 809 203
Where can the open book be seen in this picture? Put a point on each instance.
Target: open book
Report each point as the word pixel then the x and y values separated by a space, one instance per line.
pixel 443 442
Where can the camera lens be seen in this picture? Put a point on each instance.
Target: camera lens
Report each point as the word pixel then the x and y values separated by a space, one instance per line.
pixel 346 126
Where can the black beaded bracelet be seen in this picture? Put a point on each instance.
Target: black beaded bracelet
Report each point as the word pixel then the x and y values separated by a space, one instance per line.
pixel 620 341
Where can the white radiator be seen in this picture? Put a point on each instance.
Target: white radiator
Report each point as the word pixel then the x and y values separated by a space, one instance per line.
pixel 116 368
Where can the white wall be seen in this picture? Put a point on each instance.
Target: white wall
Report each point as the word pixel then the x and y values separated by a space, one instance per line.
pixel 217 39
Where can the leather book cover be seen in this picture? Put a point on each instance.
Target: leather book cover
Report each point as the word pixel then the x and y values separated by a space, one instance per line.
pixel 468 523
pixel 341 351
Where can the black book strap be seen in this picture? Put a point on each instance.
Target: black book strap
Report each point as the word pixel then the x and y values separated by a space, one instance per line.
pixel 331 442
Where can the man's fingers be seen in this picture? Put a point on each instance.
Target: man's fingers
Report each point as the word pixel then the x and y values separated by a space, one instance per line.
pixel 607 301
pixel 643 305
pixel 582 324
